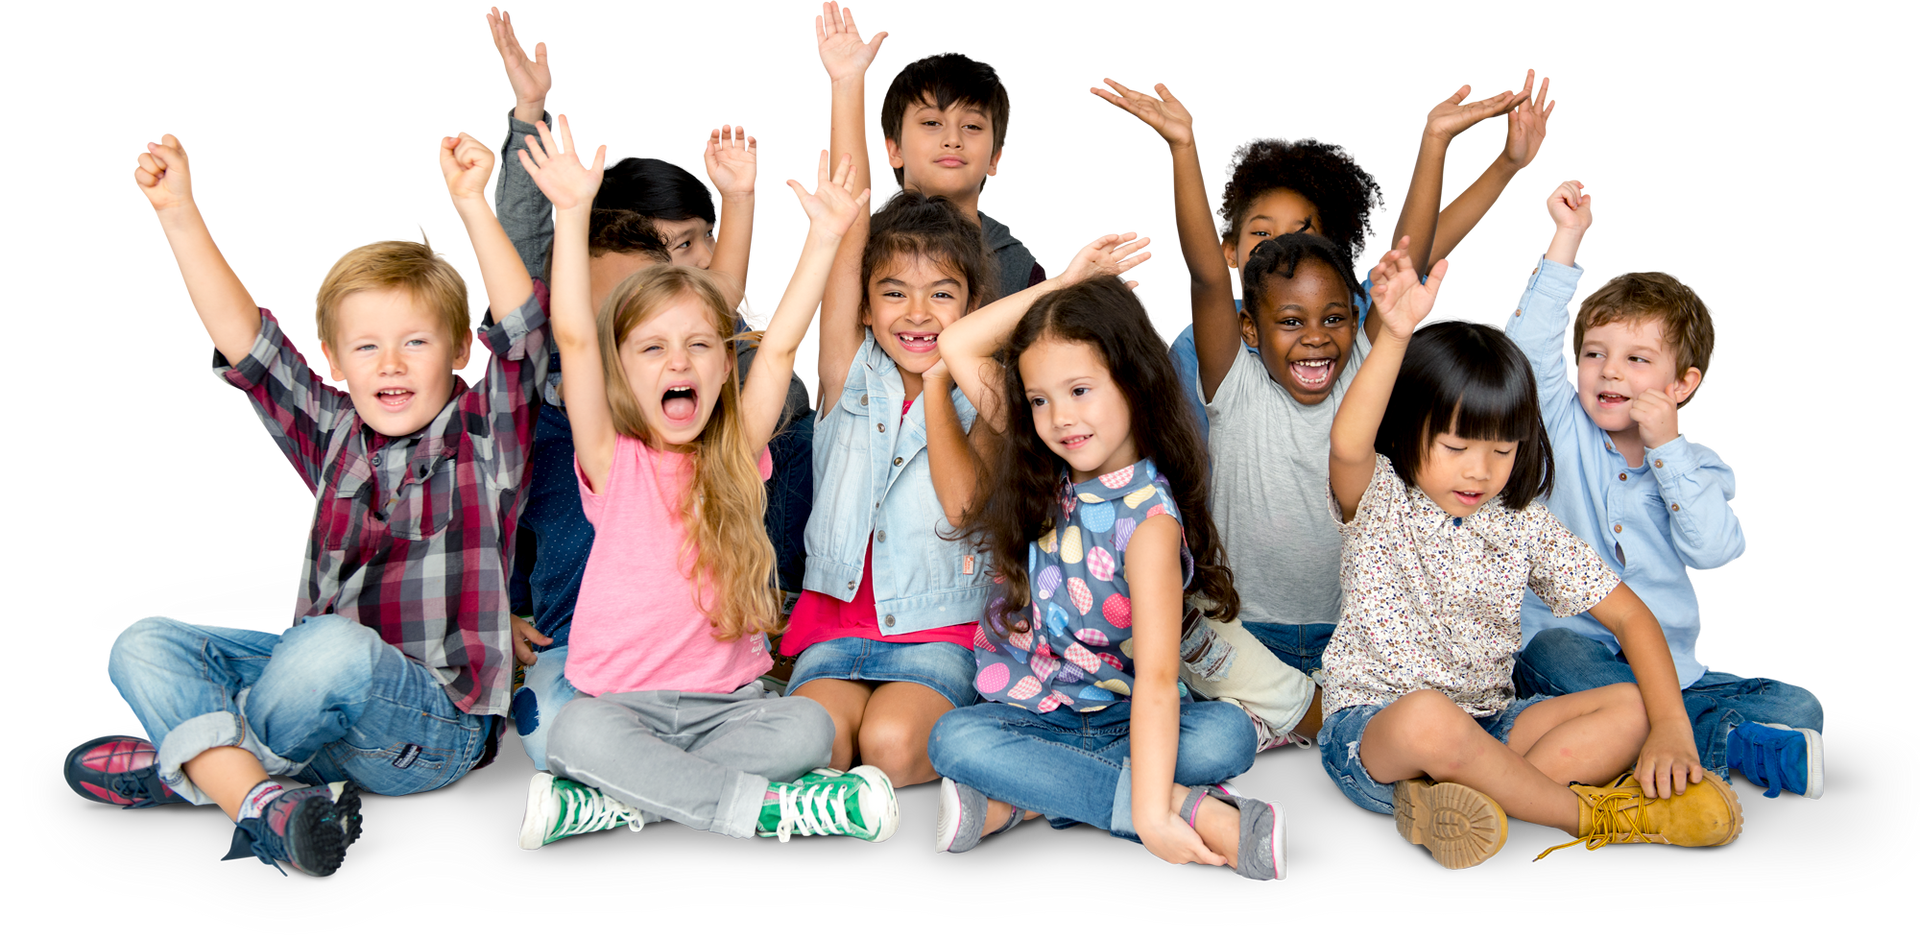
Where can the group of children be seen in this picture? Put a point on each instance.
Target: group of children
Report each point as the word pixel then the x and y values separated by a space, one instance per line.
pixel 998 549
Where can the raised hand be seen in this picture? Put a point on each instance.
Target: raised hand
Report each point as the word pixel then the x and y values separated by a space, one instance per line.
pixel 162 174
pixel 1108 256
pixel 467 163
pixel 833 205
pixel 1527 123
pixel 1399 298
pixel 1569 207
pixel 841 50
pixel 1657 415
pixel 530 76
pixel 1165 114
pixel 731 160
pixel 557 170
pixel 1450 117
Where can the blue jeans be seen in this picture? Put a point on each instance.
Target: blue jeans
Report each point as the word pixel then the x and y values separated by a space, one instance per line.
pixel 327 701
pixel 1561 661
pixel 1073 766
pixel 790 499
pixel 1339 744
pixel 1298 645
pixel 538 702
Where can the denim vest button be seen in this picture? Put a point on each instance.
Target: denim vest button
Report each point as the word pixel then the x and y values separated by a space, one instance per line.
pixel 863 400
pixel 851 584
pixel 881 427
pixel 889 618
pixel 897 460
pixel 881 537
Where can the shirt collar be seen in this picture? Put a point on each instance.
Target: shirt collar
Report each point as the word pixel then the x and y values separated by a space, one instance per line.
pixel 436 441
pixel 1112 485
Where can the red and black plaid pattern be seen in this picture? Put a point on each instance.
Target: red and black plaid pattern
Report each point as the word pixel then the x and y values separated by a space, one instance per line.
pixel 412 536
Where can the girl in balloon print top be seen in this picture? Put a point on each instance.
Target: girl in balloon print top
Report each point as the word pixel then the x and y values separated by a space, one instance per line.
pixel 1095 517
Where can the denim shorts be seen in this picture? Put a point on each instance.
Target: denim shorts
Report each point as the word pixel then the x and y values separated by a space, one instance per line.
pixel 945 667
pixel 1340 749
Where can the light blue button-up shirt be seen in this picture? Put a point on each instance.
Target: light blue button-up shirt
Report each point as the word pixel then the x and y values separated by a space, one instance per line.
pixel 1649 523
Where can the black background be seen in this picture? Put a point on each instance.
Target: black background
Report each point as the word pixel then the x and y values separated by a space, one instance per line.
pixel 312 129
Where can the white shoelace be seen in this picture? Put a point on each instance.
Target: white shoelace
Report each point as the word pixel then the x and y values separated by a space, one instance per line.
pixel 814 810
pixel 588 810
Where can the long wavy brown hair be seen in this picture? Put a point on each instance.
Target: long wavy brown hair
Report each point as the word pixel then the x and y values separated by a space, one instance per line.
pixel 1020 494
pixel 727 548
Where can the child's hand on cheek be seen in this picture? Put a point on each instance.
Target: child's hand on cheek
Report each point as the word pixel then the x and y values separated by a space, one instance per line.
pixel 1658 417
pixel 162 174
pixel 1399 298
pixel 1569 208
pixel 1108 256
pixel 467 163
pixel 556 168
pixel 832 206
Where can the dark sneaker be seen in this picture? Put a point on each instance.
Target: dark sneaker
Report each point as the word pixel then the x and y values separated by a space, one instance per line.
pixel 119 770
pixel 346 805
pixel 301 828
pixel 1774 756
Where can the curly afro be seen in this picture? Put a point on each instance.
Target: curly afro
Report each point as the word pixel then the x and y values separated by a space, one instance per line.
pixel 1323 173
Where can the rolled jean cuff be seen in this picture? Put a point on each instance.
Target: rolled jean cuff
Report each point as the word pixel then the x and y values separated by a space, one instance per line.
pixel 212 731
pixel 1121 823
pixel 738 812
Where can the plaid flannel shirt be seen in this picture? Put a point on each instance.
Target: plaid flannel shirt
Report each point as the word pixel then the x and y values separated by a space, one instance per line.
pixel 413 536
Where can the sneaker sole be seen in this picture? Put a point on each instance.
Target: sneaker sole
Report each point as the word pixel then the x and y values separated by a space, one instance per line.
pixel 539 817
pixel 878 782
pixel 314 841
pixel 1461 827
pixel 947 830
pixel 1816 759
pixel 346 804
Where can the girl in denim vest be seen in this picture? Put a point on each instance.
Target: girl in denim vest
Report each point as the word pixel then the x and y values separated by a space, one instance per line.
pixel 1097 523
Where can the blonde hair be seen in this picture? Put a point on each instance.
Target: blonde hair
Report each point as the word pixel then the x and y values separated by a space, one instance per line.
pixel 723 507
pixel 386 265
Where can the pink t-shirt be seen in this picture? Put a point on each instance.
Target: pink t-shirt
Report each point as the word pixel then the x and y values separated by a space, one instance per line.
pixel 638 624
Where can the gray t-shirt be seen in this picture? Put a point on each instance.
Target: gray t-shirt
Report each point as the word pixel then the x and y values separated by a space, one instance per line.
pixel 1270 492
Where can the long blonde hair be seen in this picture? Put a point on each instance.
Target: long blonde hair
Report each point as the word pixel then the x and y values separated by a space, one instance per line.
pixel 728 548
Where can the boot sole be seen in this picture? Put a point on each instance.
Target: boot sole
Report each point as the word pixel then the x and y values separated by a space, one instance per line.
pixel 1460 826
pixel 314 841
pixel 346 804
pixel 1718 784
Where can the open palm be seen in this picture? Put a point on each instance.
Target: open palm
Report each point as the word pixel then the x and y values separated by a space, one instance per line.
pixel 1165 114
pixel 1527 122
pixel 732 160
pixel 841 50
pixel 833 205
pixel 556 168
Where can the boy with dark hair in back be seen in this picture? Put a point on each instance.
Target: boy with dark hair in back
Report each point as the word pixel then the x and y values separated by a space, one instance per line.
pixel 1650 501
pixel 397 667
pixel 945 120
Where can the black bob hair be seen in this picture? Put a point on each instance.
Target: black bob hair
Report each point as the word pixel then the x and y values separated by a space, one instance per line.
pixel 1470 380
pixel 1281 257
pixel 945 80
pixel 1322 173
pixel 1020 497
pixel 913 223
pixel 656 189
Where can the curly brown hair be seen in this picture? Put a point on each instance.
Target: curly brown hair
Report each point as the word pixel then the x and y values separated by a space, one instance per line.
pixel 1640 297
pixel 1019 503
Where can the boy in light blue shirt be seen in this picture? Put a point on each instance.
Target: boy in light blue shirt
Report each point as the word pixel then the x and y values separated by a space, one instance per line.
pixel 1649 500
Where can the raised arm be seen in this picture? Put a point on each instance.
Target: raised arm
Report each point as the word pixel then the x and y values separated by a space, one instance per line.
pixel 524 211
pixel 846 59
pixel 1526 129
pixel 1216 323
pixel 731 157
pixel 467 163
pixel 1420 213
pixel 950 447
pixel 1400 301
pixel 556 168
pixel 831 209
pixel 226 308
pixel 968 346
pixel 1669 760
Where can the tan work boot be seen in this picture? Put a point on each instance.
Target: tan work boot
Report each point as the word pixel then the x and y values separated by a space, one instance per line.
pixel 1707 815
pixel 1458 825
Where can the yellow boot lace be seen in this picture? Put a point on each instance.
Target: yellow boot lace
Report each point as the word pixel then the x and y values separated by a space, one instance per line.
pixel 1614 815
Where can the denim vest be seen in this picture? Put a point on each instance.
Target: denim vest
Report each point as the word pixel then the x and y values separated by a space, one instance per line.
pixel 871 477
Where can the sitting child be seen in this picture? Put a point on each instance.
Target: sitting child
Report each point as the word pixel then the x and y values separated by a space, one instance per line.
pixel 397 667
pixel 669 635
pixel 1435 477
pixel 1649 500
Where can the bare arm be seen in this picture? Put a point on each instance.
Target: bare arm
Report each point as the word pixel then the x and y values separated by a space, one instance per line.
pixel 1153 583
pixel 1420 214
pixel 556 168
pixel 831 208
pixel 846 59
pixel 1526 130
pixel 968 346
pixel 1400 301
pixel 467 163
pixel 1669 760
pixel 1216 323
pixel 949 446
pixel 731 157
pixel 226 308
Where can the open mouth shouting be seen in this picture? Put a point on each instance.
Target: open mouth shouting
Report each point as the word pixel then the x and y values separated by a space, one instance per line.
pixel 1312 374
pixel 680 404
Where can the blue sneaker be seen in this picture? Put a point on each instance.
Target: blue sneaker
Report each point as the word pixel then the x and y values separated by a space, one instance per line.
pixel 301 828
pixel 118 770
pixel 1775 756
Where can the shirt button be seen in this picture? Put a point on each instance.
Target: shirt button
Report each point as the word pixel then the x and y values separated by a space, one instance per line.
pixel 376 459
pixel 1516 313
pixel 880 427
pixel 1659 464
pixel 863 400
pixel 897 460
pixel 1616 529
pixel 881 537
pixel 1675 506
pixel 889 620
pixel 1623 477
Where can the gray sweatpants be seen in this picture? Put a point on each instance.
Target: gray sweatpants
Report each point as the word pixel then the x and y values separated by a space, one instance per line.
pixel 701 759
